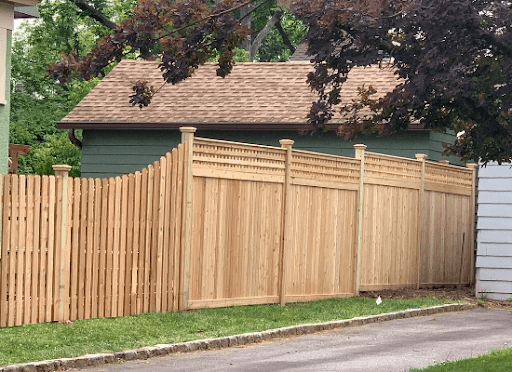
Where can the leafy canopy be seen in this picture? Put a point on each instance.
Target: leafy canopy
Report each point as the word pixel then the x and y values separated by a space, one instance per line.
pixel 38 103
pixel 454 59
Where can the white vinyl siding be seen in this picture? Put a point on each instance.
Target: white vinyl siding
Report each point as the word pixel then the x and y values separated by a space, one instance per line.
pixel 494 232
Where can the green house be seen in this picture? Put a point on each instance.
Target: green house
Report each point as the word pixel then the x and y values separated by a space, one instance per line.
pixel 257 103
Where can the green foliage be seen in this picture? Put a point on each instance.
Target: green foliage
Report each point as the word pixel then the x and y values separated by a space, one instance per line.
pixel 38 103
pixel 35 342
pixel 55 149
pixel 273 48
pixel 495 361
pixel 454 58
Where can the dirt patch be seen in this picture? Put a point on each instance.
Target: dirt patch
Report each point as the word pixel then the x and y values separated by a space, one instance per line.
pixel 466 294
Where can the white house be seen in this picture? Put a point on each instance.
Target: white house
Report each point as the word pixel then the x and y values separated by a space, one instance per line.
pixel 494 232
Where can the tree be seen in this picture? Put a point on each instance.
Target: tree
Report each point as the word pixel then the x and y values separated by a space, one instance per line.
pixel 454 56
pixel 38 103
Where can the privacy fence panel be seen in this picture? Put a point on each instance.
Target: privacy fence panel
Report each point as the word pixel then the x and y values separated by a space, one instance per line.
pixel 29 238
pixel 90 248
pixel 447 226
pixel 321 253
pixel 236 225
pixel 216 223
pixel 390 222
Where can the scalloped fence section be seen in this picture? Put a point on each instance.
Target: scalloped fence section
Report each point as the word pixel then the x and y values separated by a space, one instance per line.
pixel 218 223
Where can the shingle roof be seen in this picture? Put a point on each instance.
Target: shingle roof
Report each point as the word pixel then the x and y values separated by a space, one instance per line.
pixel 253 96
pixel 300 53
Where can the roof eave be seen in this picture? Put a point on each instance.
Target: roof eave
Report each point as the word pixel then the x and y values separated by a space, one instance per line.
pixel 258 126
pixel 242 126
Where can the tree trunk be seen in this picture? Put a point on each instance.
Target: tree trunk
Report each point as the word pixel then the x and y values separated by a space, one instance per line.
pixel 246 21
pixel 261 35
pixel 285 37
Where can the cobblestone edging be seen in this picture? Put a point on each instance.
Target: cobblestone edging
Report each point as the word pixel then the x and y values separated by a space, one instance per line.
pixel 91 360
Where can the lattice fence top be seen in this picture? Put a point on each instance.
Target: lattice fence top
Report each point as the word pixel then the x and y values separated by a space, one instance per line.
pixel 234 156
pixel 448 175
pixel 388 166
pixel 325 167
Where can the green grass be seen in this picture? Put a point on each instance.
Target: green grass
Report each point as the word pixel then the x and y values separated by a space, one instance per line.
pixel 495 361
pixel 33 342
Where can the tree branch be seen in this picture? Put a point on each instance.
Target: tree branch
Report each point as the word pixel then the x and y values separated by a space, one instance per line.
pixel 261 35
pixel 284 36
pixel 94 14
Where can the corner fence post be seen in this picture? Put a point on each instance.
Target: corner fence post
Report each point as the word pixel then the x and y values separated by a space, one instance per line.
pixel 422 158
pixel 285 214
pixel 474 168
pixel 63 264
pixel 187 137
pixel 359 149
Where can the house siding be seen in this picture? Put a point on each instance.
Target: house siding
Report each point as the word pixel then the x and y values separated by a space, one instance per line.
pixel 437 149
pixel 108 153
pixel 6 100
pixel 494 232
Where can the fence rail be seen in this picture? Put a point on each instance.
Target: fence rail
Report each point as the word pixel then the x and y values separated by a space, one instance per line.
pixel 216 223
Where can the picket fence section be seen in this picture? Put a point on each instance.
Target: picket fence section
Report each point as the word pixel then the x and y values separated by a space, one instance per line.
pixel 218 223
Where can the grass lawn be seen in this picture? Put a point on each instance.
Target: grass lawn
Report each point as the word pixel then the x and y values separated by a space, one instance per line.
pixel 495 361
pixel 34 342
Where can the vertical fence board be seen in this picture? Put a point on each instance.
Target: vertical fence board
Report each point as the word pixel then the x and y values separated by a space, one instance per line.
pixel 57 249
pixel 5 260
pixel 149 235
pixel 36 182
pixel 51 248
pixel 75 233
pixel 115 246
pixel 29 250
pixel 160 231
pixel 20 249
pixel 130 250
pixel 13 250
pixel 103 248
pixel 166 246
pixel 123 248
pixel 89 184
pixel 153 278
pixel 134 293
pixel 97 248
pixel 110 246
pixel 176 225
pixel 82 247
pixel 142 241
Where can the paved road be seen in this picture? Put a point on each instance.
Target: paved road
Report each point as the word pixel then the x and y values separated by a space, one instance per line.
pixel 390 346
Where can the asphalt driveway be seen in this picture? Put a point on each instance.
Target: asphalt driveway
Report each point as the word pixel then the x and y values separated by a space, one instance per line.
pixel 396 345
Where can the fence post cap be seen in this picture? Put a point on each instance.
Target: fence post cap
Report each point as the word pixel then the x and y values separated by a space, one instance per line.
pixel 61 167
pixel 188 129
pixel 420 156
pixel 360 146
pixel 286 142
pixel 472 165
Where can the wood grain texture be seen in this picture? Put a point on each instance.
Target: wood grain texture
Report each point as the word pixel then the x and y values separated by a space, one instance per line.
pixel 204 226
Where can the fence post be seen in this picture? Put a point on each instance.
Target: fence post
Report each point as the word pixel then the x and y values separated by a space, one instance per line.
pixel 422 158
pixel 187 137
pixel 359 149
pixel 285 241
pixel 473 167
pixel 63 264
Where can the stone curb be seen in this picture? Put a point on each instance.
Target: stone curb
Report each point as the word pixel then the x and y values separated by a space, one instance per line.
pixel 92 360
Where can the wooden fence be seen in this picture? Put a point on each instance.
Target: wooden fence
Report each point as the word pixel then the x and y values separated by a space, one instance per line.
pixel 217 223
